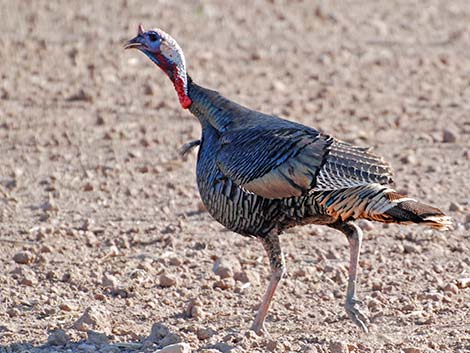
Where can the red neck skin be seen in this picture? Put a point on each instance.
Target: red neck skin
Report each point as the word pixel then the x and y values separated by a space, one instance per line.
pixel 175 76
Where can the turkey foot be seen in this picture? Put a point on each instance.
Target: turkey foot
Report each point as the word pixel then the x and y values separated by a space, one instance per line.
pixel 355 314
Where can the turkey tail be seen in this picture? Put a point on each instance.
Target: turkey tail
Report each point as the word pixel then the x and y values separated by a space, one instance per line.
pixel 380 203
pixel 411 211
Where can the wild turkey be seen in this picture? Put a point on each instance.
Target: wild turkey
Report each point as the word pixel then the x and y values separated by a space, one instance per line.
pixel 258 174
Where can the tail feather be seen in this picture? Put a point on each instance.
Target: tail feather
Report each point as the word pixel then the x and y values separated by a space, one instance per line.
pixel 380 203
pixel 411 211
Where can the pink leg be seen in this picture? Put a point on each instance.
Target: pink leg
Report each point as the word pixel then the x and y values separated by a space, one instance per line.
pixel 354 235
pixel 276 260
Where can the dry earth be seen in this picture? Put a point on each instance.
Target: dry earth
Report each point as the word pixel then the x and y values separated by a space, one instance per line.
pixel 98 211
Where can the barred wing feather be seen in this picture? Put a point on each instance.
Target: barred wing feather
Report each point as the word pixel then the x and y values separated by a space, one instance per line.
pixel 287 162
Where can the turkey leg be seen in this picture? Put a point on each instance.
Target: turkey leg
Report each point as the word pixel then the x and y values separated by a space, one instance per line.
pixel 278 268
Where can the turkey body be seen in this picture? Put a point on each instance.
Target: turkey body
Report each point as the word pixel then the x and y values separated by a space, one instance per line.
pixel 259 174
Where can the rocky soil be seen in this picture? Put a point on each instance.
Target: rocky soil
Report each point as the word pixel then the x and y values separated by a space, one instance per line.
pixel 104 244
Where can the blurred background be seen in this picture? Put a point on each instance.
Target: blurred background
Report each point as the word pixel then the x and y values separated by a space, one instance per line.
pixel 98 210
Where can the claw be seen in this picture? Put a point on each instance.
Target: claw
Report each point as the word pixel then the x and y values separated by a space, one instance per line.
pixel 356 315
pixel 260 330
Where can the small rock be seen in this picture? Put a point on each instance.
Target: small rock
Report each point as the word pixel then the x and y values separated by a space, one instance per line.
pixel 366 225
pixel 463 283
pixel 13 312
pixel 67 306
pixel 29 279
pixel 338 347
pixel 204 333
pixel 271 345
pixel 23 257
pixel 194 310
pixel 467 218
pixel 225 267
pixel 92 318
pixel 409 159
pixel 411 350
pixel 57 338
pixel 411 248
pixel 169 339
pixel 167 281
pixel 434 296
pixel 225 283
pixel 109 281
pixel 451 288
pixel 449 136
pixel 97 338
pixel 175 261
pixel 247 277
pixel 87 187
pixel 176 348
pixel 455 207
pixel 158 332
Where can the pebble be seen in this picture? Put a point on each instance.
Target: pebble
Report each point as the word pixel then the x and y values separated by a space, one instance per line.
pixel 411 248
pixel 167 281
pixel 366 225
pixel 247 277
pixel 109 281
pixel 204 333
pixel 67 306
pixel 449 136
pixel 226 267
pixel 23 257
pixel 176 348
pixel 455 207
pixel 194 310
pixel 158 332
pixel 451 288
pixel 29 279
pixel 463 282
pixel 411 350
pixel 96 338
pixel 467 218
pixel 57 338
pixel 224 284
pixel 92 318
pixel 338 347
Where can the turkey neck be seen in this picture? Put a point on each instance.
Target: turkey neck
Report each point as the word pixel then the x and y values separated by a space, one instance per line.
pixel 212 109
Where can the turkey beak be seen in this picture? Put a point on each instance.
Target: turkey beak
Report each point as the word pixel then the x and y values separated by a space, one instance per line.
pixel 134 43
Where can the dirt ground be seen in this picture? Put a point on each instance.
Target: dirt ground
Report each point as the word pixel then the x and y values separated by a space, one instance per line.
pixel 100 219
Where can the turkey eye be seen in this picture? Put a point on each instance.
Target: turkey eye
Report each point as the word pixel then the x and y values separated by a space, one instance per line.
pixel 153 37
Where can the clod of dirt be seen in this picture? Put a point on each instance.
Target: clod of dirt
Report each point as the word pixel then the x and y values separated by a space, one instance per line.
pixel 412 248
pixel 451 288
pixel 110 281
pixel 366 225
pixel 449 136
pixel 463 283
pixel 93 318
pixel 223 268
pixel 167 281
pixel 176 348
pixel 455 207
pixel 194 310
pixel 339 347
pixel 96 338
pixel 225 283
pixel 204 333
pixel 411 350
pixel 58 338
pixel 67 306
pixel 29 278
pixel 247 276
pixel 23 257
pixel 80 96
